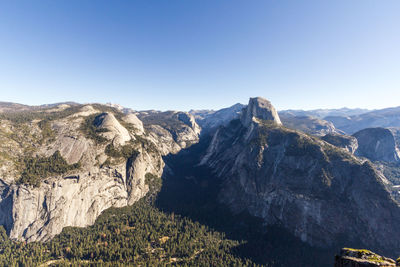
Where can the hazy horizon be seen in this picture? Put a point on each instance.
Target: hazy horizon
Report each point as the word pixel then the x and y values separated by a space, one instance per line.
pixel 197 109
pixel 202 55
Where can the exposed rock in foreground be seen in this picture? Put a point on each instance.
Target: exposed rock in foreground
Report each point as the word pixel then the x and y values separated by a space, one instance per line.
pixel 362 258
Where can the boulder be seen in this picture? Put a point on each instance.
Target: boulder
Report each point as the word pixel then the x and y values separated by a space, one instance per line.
pixel 350 257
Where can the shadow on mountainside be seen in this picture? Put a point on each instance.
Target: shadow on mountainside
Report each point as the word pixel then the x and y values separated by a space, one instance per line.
pixel 191 190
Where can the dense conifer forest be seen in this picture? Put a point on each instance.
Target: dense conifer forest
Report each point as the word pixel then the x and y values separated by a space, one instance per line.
pixel 135 235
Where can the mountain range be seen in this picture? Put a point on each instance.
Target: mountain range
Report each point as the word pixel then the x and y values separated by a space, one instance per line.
pixel 310 181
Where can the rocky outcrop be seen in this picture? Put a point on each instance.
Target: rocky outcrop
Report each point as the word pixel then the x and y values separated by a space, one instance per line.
pixel 350 257
pixel 171 130
pixel 72 148
pixel 113 129
pixel 259 108
pixel 137 167
pixel 164 139
pixel 347 142
pixel 318 192
pixel 190 121
pixel 135 122
pixel 377 144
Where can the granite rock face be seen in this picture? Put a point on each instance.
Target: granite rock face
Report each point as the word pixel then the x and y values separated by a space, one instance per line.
pixel 38 214
pixel 171 131
pixel 347 142
pixel 259 108
pixel 135 122
pixel 378 144
pixel 102 180
pixel 316 191
pixel 113 129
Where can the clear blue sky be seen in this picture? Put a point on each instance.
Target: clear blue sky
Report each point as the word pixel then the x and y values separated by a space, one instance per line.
pixel 183 54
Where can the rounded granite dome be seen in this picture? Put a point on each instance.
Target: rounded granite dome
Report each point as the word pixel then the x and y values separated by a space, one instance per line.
pixel 259 108
pixel 377 144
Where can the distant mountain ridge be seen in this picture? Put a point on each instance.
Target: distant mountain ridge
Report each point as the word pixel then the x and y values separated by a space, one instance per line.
pixel 322 113
pixel 210 119
pixel 388 117
pixel 15 107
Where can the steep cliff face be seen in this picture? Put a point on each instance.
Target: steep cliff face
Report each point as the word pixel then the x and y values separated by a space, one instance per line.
pixel 38 214
pixel 378 144
pixel 259 108
pixel 318 192
pixel 63 167
pixel 343 141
